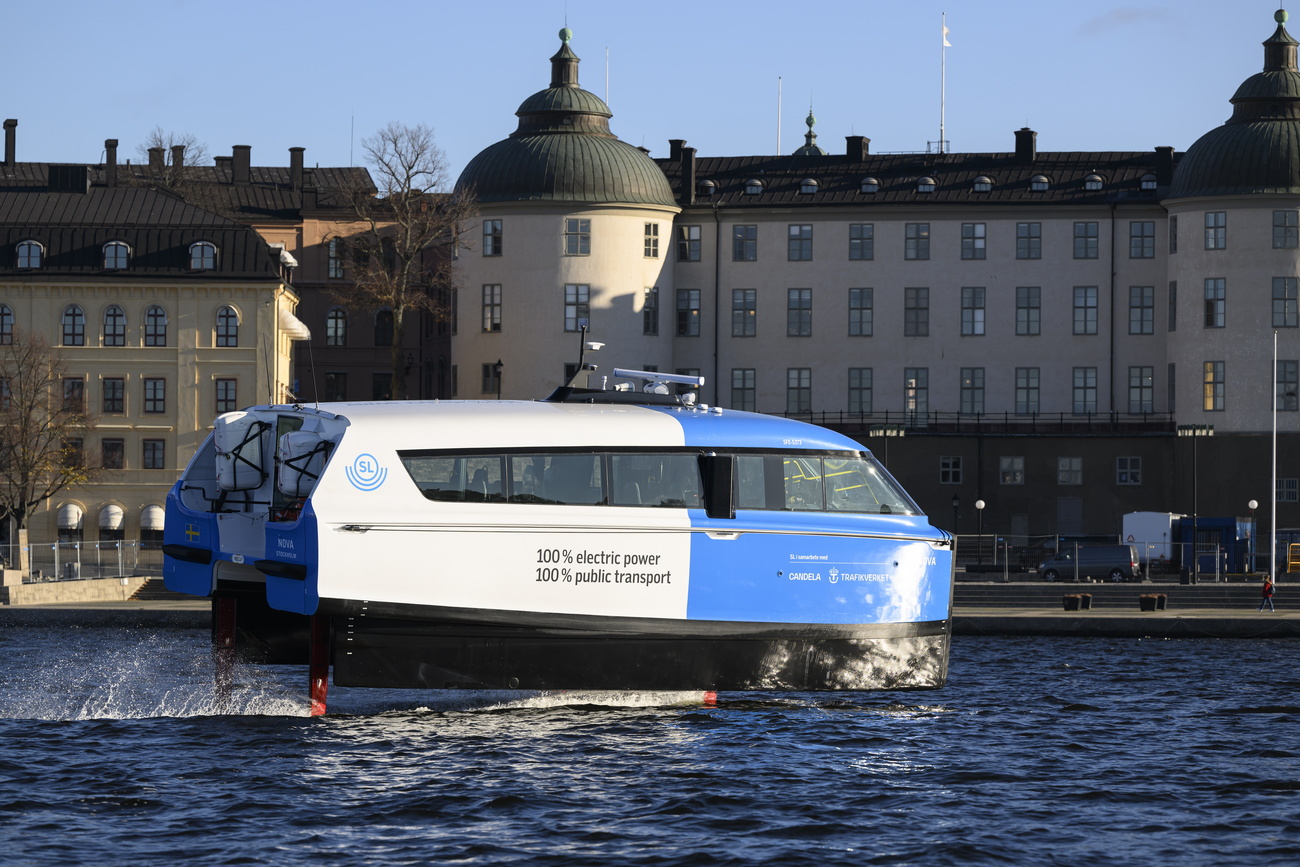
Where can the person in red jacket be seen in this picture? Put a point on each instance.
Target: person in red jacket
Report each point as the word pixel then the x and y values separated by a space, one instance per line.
pixel 1267 593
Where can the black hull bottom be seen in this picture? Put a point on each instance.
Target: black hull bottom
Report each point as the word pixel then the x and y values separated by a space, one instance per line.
pixel 416 655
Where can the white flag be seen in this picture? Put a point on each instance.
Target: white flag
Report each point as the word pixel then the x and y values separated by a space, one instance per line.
pixel 946 43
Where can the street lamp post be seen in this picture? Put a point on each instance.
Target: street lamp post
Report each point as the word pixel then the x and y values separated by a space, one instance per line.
pixel 1195 431
pixel 979 510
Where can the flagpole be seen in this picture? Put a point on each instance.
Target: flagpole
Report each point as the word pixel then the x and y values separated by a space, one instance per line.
pixel 943 79
pixel 778 114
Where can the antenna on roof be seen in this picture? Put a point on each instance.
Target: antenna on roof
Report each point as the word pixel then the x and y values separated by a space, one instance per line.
pixel 778 114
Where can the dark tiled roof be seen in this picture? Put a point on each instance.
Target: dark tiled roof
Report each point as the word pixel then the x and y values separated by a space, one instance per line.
pixel 839 178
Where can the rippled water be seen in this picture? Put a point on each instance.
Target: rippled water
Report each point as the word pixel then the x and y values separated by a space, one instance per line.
pixel 1040 751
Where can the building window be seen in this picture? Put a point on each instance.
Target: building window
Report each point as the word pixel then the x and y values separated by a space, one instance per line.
pixel 949 470
pixel 753 186
pixel 972 311
pixel 1011 470
pixel 925 185
pixel 203 256
pixel 490 378
pixel 1288 490
pixel 916 394
pixel 1141 390
pixel 916 311
pixel 1085 390
pixel 1093 183
pixel 1128 471
pixel 577 237
pixel 116 255
pixel 798 389
pixel 650 312
pixel 114 394
pixel 1141 239
pixel 982 184
pixel 808 186
pixel 226 390
pixel 334 259
pixel 972 391
pixel 688 312
pixel 1029 240
pixel 30 254
pixel 1286 230
pixel 916 241
pixel 1148 182
pixel 1026 390
pixel 1039 184
pixel 862 241
pixel 742 388
pixel 155 395
pixel 1213 386
pixel 1284 302
pixel 384 328
pixel 114 326
pixel 381 386
pixel 577 306
pixel 1069 471
pixel 153 458
pixel 74 394
pixel 492 238
pixel 73 453
pixel 227 327
pixel 336 386
pixel 1085 309
pixel 744 312
pixel 1216 230
pixel 861 312
pixel 492 307
pixel 800 243
pixel 688 243
pixel 706 188
pixel 336 327
pixel 1288 386
pixel 1173 234
pixel 1173 305
pixel 972 240
pixel 1141 310
pixel 6 325
pixel 798 313
pixel 112 451
pixel 860 383
pixel 1216 300
pixel 870 186
pixel 744 243
pixel 155 326
pixel 1029 312
pixel 1085 240
pixel 652 240
pixel 74 326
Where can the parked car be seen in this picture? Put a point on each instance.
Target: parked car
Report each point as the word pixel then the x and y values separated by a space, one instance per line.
pixel 1115 562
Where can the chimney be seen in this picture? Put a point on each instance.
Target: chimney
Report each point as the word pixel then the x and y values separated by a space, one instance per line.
pixel 295 168
pixel 178 157
pixel 688 175
pixel 241 167
pixel 1026 145
pixel 675 148
pixel 1164 165
pixel 11 126
pixel 156 159
pixel 110 162
pixel 859 146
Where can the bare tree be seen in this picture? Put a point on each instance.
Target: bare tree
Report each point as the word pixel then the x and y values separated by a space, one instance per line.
pixel 401 240
pixel 179 168
pixel 43 425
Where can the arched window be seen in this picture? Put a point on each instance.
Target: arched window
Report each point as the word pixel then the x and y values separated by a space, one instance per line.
pixel 114 326
pixel 753 187
pixel 155 326
pixel 870 185
pixel 808 186
pixel 6 325
pixel 1148 182
pixel 30 254
pixel 336 327
pixel 227 327
pixel 983 184
pixel 116 255
pixel 1039 183
pixel 203 256
pixel 74 326
pixel 384 328
pixel 706 188
pixel 1093 183
pixel 926 185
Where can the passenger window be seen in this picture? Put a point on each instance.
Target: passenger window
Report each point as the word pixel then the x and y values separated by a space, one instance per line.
pixel 574 480
pixel 803 484
pixel 670 481
pixel 475 479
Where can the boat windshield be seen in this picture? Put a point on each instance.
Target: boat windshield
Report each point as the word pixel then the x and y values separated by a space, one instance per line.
pixel 815 484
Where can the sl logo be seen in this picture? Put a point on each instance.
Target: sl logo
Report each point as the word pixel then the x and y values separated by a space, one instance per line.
pixel 365 473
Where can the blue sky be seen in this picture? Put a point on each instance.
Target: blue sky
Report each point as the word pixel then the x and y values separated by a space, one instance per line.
pixel 322 75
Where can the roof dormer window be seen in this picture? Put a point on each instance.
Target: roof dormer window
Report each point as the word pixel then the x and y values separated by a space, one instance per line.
pixel 870 185
pixel 753 187
pixel 808 186
pixel 1093 183
pixel 706 188
pixel 1148 182
pixel 117 255
pixel 30 254
pixel 926 185
pixel 203 256
pixel 1039 183
pixel 983 184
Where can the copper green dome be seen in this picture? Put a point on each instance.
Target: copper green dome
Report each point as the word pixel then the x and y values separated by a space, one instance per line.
pixel 563 151
pixel 1258 149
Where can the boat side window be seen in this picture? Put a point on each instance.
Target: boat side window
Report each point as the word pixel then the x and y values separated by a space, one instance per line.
pixel 574 480
pixel 663 480
pixel 813 483
pixel 462 479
